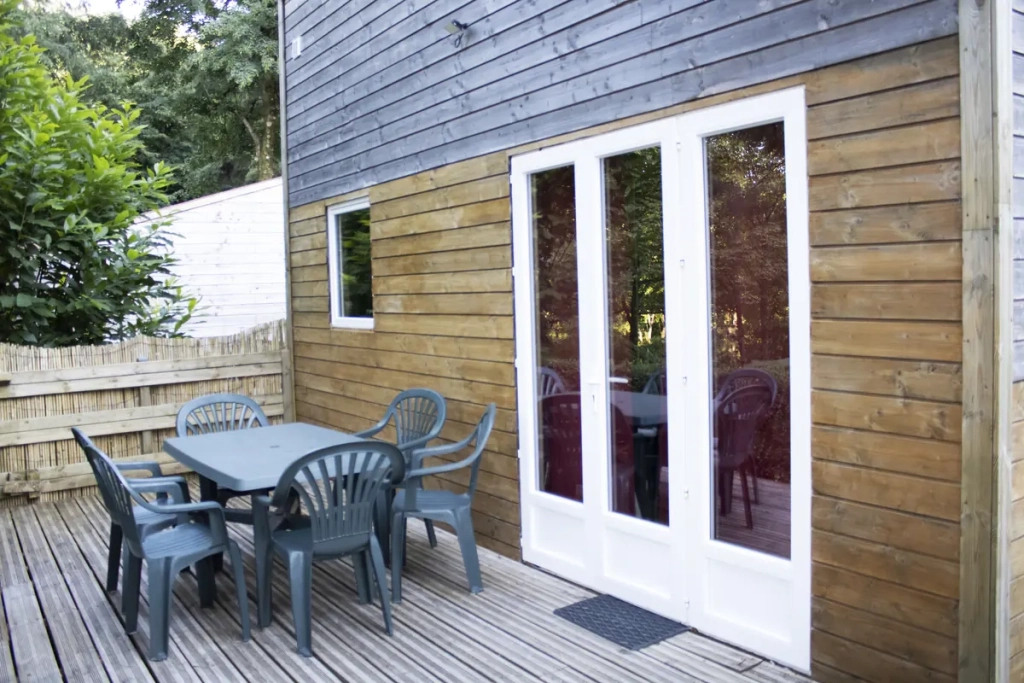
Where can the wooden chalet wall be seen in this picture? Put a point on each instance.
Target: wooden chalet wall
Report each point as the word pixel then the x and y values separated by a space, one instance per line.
pixel 442 286
pixel 380 91
pixel 886 341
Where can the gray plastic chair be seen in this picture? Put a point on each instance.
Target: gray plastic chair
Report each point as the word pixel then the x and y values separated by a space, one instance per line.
pixel 418 415
pixel 442 506
pixel 167 552
pixel 167 489
pixel 222 413
pixel 338 487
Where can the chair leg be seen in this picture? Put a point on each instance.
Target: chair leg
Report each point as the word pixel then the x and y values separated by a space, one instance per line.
pixel 130 592
pixel 300 578
pixel 243 600
pixel 161 581
pixel 746 498
pixel 379 573
pixel 114 557
pixel 382 521
pixel 206 577
pixel 397 555
pixel 429 523
pixel 360 562
pixel 753 475
pixel 467 542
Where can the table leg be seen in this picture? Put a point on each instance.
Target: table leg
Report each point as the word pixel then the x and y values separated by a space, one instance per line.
pixel 208 491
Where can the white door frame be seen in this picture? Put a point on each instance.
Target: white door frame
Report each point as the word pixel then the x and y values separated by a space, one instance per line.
pixel 755 600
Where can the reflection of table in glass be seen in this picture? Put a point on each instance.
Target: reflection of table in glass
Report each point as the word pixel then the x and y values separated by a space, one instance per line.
pixel 643 410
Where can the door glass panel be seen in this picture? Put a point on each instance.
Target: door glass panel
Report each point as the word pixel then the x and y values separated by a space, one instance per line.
pixel 560 451
pixel 638 430
pixel 746 175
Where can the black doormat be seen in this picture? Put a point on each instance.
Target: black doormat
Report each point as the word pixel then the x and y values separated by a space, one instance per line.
pixel 624 624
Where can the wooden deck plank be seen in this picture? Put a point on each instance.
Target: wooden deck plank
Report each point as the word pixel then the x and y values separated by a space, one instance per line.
pixel 416 630
pixel 34 660
pixel 506 597
pixel 78 659
pixel 122 661
pixel 442 632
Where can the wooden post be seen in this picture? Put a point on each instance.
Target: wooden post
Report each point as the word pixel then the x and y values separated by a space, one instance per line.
pixel 287 356
pixel 146 399
pixel 287 384
pixel 980 224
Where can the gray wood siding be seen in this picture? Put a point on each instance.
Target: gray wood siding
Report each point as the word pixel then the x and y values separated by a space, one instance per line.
pixel 380 90
pixel 1018 189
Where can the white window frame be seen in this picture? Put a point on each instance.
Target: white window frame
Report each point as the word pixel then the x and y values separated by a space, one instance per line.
pixel 334 267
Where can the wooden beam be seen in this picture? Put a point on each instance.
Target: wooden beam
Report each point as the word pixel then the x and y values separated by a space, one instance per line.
pixel 980 220
pixel 287 355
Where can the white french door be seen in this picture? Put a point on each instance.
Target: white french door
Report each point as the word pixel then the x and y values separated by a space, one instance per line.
pixel 663 367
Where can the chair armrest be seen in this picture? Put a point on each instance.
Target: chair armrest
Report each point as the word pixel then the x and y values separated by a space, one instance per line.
pixel 437 469
pixel 371 432
pixel 419 454
pixel 173 488
pixel 150 466
pixel 213 511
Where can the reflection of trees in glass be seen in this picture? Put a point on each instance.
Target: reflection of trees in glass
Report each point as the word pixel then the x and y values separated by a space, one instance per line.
pixel 354 247
pixel 636 269
pixel 749 274
pixel 554 224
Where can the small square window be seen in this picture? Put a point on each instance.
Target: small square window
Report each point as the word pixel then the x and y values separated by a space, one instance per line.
pixel 349 264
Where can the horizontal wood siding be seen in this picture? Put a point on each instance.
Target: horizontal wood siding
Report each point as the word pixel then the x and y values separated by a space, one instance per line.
pixel 886 341
pixel 381 91
pixel 886 337
pixel 442 287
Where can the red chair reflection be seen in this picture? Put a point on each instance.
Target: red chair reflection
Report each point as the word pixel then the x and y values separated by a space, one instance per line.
pixel 562 438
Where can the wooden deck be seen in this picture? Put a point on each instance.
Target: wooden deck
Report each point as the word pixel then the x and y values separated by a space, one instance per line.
pixel 61 625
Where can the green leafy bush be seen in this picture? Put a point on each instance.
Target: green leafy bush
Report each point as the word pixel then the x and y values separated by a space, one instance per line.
pixel 74 267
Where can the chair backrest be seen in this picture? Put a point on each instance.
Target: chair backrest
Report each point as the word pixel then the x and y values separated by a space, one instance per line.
pixel 549 382
pixel 220 413
pixel 338 487
pixel 656 383
pixel 739 415
pixel 417 413
pixel 113 489
pixel 746 377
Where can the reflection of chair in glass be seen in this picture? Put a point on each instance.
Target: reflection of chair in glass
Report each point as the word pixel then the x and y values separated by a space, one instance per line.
pixel 549 382
pixel 738 417
pixel 656 383
pixel 562 446
pixel 563 452
pixel 748 377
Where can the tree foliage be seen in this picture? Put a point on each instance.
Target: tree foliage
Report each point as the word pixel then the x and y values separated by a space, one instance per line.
pixel 74 268
pixel 203 73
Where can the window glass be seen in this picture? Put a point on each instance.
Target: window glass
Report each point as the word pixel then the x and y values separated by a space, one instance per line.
pixel 351 265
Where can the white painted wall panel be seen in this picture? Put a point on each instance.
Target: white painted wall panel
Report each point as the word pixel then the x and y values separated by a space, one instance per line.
pixel 230 251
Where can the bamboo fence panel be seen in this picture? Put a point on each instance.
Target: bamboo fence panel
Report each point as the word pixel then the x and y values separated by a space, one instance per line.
pixel 124 396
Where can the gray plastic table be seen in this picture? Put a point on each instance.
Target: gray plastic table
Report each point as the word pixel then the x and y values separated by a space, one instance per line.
pixel 250 460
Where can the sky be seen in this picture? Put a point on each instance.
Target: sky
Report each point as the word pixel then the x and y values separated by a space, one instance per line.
pixel 129 8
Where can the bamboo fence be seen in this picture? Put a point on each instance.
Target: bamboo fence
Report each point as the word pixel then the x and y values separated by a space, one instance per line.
pixel 125 396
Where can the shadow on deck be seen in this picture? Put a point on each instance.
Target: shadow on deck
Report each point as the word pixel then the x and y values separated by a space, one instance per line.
pixel 61 625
